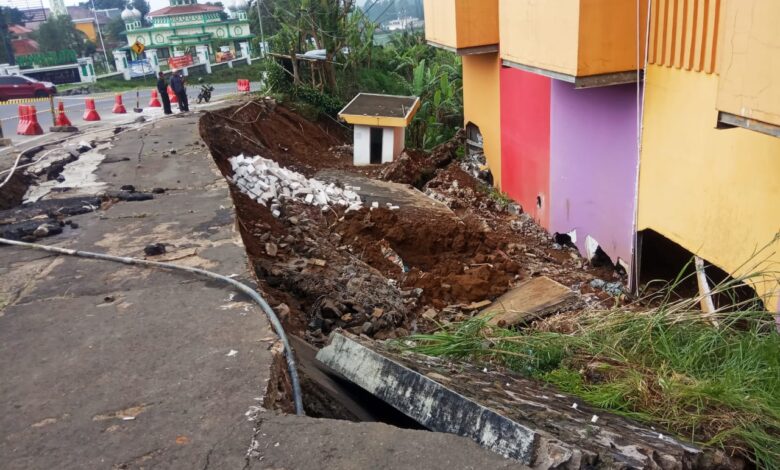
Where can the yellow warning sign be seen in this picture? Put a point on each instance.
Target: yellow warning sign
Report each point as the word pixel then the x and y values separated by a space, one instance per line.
pixel 138 48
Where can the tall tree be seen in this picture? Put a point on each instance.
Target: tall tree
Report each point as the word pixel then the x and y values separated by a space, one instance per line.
pixel 58 33
pixel 8 16
pixel 114 30
pixel 222 15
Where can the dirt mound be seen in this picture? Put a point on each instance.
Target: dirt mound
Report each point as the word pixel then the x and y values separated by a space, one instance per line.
pixel 450 259
pixel 272 131
pixel 375 271
pixel 417 168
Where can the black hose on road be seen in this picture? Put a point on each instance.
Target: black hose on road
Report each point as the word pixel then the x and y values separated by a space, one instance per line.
pixel 288 352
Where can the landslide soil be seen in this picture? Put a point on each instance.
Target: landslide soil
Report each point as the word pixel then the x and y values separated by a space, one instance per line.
pixel 375 272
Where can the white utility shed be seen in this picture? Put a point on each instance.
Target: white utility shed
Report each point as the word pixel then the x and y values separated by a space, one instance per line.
pixel 380 124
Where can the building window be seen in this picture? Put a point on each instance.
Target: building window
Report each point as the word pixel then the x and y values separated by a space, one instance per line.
pixel 163 53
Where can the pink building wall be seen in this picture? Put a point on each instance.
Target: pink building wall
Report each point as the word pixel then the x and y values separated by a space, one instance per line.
pixel 525 141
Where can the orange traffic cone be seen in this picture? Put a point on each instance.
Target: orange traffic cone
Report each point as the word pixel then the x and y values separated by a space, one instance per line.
pixel 155 101
pixel 119 108
pixel 33 127
pixel 91 114
pixel 172 95
pixel 61 119
pixel 22 125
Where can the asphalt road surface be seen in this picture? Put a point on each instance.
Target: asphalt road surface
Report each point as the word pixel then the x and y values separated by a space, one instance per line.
pixel 104 103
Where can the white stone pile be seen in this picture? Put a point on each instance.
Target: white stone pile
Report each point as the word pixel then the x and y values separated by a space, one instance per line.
pixel 269 184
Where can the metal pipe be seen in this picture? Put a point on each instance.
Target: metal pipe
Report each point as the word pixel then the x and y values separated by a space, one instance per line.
pixel 277 325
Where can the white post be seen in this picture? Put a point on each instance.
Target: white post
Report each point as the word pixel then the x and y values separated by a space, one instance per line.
pixel 154 62
pixel 120 61
pixel 245 51
pixel 202 53
pixel 87 70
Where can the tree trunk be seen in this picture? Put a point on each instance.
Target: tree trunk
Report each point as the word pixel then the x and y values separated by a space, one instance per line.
pixel 329 72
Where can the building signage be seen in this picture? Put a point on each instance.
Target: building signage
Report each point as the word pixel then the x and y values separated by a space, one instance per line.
pixel 139 68
pixel 180 62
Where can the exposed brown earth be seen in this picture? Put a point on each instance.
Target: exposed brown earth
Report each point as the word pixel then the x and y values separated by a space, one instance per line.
pixel 376 270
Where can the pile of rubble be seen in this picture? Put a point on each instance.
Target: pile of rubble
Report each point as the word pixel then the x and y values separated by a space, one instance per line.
pixel 269 184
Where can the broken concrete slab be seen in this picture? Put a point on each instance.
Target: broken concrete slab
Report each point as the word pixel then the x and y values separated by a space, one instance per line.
pixel 516 417
pixel 384 192
pixel 530 300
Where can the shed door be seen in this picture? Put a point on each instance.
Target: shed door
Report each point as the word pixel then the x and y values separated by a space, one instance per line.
pixel 376 145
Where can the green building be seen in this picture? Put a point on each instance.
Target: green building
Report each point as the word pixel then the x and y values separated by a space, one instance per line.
pixel 187 28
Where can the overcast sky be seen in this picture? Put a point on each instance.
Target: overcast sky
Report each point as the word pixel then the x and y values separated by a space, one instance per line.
pixel 155 4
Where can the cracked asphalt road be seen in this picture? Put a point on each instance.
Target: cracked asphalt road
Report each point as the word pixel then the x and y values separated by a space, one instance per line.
pixel 112 366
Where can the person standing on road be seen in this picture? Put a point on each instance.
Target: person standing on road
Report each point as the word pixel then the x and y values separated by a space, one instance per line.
pixel 162 89
pixel 180 88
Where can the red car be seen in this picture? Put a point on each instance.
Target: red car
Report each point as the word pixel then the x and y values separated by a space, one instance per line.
pixel 18 86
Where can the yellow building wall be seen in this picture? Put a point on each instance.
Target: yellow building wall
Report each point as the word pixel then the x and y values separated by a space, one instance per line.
pixel 440 22
pixel 481 105
pixel 573 37
pixel 714 192
pixel 88 29
pixel 461 23
pixel 540 34
pixel 750 68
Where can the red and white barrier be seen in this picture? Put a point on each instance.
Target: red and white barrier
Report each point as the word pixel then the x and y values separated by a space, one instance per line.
pixel 28 121
pixel 91 114
pixel 172 96
pixel 61 119
pixel 154 102
pixel 119 107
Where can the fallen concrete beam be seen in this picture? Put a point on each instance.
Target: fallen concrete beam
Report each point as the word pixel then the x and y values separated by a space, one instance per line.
pixel 425 400
pixel 516 417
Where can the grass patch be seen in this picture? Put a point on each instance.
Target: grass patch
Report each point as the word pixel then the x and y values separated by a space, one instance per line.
pixel 666 365
pixel 501 198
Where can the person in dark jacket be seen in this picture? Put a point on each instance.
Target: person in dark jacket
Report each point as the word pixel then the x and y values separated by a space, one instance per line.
pixel 179 87
pixel 162 90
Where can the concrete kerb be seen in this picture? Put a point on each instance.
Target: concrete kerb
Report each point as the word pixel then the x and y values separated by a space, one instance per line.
pixel 434 406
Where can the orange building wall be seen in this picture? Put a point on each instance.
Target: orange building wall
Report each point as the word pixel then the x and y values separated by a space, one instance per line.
pixel 481 105
pixel 684 34
pixel 608 36
pixel 88 29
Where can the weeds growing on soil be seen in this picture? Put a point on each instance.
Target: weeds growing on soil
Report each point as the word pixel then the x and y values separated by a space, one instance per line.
pixel 667 365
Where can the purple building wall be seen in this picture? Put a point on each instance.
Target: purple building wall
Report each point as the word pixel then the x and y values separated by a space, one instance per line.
pixel 593 165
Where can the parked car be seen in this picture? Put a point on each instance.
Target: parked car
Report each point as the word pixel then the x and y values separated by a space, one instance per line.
pixel 18 86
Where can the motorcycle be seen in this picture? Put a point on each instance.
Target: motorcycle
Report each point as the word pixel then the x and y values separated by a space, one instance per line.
pixel 205 93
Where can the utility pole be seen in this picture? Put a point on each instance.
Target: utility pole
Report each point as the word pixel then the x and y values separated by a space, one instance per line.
pixel 100 35
pixel 260 20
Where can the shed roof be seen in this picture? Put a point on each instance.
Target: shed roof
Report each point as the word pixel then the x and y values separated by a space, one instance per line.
pixel 381 110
